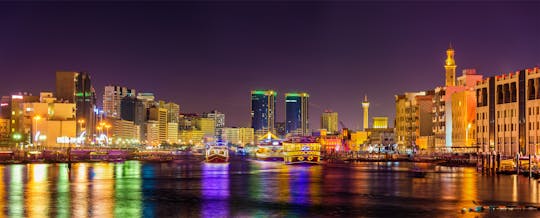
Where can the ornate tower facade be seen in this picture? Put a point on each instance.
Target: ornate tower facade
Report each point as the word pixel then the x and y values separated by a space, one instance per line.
pixel 365 106
pixel 450 67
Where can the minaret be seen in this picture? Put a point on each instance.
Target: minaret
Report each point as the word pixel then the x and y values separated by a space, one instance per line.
pixel 365 106
pixel 450 67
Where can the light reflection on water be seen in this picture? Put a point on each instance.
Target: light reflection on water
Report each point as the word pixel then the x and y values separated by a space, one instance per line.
pixel 253 188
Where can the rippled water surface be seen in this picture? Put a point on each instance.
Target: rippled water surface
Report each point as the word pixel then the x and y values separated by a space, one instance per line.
pixel 245 188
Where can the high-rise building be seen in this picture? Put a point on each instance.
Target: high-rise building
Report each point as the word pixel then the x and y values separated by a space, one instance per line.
pixel 20 125
pixel 297 113
pixel 112 99
pixel 380 122
pixel 160 115
pixel 365 106
pixel 76 87
pixel 219 120
pixel 133 109
pixel 263 111
pixel 124 132
pixel 172 133
pixel 329 121
pixel 153 133
pixel 173 111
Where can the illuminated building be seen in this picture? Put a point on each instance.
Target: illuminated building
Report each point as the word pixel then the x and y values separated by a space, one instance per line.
pixel 508 114
pixel 207 125
pixel 463 109
pixel 159 115
pixel 450 67
pixel 297 113
pixel 124 132
pixel 76 87
pixel 173 110
pixel 19 126
pixel 152 133
pixel 190 137
pixel 329 121
pixel 186 121
pixel 380 136
pixel 239 136
pixel 263 111
pixel 413 117
pixel 4 131
pixel 219 120
pixel 172 133
pixel 112 99
pixel 380 122
pixel 365 107
pixel 48 120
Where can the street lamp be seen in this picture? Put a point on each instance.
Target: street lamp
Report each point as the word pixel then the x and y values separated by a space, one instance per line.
pixel 467 134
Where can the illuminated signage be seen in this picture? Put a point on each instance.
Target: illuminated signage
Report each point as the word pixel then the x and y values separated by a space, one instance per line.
pixel 16 97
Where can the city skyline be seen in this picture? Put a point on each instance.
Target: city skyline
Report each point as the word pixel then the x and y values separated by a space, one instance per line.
pixel 336 51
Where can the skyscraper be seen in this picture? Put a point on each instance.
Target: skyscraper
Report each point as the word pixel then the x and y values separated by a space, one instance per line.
pixel 297 113
pixel 329 121
pixel 76 87
pixel 263 110
pixel 365 106
pixel 112 98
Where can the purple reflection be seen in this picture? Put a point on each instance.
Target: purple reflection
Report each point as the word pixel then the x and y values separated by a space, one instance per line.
pixel 300 187
pixel 215 190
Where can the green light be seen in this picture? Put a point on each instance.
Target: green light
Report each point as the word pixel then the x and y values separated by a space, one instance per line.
pixel 17 136
pixel 264 92
pixel 296 94
pixel 82 94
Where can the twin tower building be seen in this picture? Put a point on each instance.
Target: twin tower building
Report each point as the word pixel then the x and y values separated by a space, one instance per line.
pixel 263 112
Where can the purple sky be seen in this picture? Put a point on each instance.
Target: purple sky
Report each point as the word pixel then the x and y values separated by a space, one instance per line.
pixel 210 55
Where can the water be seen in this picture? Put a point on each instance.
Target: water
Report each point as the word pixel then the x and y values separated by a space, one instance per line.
pixel 255 189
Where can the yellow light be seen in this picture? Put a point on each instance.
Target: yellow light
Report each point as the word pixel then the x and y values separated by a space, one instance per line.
pixel 81 121
pixel 37 117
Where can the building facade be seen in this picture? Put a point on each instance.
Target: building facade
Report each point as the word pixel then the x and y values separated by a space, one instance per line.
pixel 112 99
pixel 297 113
pixel 263 111
pixel 329 121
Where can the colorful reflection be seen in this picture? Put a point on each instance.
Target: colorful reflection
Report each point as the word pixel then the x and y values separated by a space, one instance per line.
pixel 16 191
pixel 102 190
pixel 127 189
pixel 63 192
pixel 79 194
pixel 37 198
pixel 215 190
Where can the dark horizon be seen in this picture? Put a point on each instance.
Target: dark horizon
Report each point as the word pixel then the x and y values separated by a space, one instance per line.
pixel 210 55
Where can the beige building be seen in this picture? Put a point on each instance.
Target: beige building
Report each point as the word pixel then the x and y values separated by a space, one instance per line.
pixel 152 133
pixel 329 121
pixel 112 98
pixel 124 132
pixel 413 117
pixel 159 115
pixel 172 133
pixel 207 125
pixel 191 137
pixel 239 136
pixel 508 114
pixel 463 120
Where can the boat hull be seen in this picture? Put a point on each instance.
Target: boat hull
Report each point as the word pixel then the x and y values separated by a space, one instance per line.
pixel 217 159
pixel 302 160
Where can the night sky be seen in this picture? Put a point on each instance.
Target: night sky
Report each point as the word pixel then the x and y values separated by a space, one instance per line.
pixel 210 55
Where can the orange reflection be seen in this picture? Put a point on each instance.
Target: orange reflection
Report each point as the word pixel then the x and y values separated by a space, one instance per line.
pixel 80 191
pixel 103 190
pixel 315 185
pixel 284 193
pixel 37 199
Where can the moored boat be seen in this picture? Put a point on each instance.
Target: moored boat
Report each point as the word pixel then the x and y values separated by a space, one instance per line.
pixel 269 148
pixel 299 150
pixel 217 153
